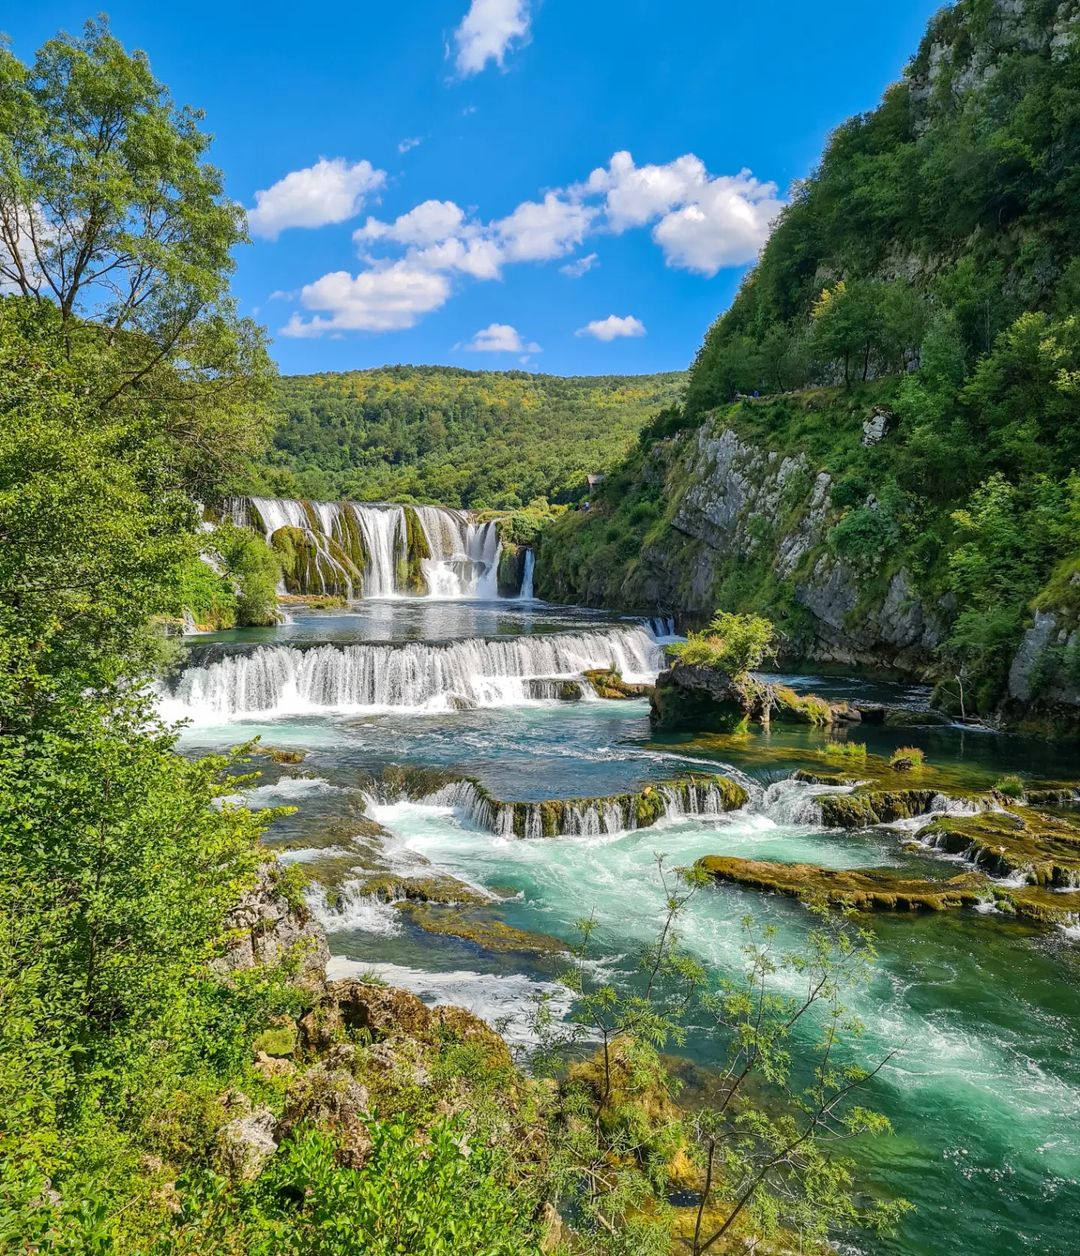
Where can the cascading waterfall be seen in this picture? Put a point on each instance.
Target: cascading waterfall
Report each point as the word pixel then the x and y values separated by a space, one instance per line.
pixel 464 558
pixel 277 680
pixel 794 802
pixel 365 549
pixel 526 593
pixel 699 798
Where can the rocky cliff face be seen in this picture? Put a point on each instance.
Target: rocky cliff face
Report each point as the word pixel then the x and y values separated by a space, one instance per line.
pixel 747 527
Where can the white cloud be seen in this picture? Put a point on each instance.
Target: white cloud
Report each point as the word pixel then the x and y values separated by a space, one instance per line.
pixel 581 266
pixel 634 195
pixel 409 143
pixel 427 223
pixel 390 299
pixel 487 31
pixel 539 230
pixel 726 226
pixel 500 338
pixel 701 222
pixel 612 327
pixel 327 192
pixel 705 222
pixel 480 258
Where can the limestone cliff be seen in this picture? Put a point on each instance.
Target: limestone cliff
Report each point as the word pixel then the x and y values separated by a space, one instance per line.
pixel 745 525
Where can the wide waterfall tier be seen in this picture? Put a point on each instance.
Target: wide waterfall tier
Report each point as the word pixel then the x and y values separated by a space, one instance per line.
pixel 279 680
pixel 690 796
pixel 356 549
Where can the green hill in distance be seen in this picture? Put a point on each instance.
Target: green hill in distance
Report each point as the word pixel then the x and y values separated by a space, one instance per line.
pixel 456 437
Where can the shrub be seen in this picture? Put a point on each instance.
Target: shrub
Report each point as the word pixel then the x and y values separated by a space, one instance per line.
pixel 734 644
pixel 1011 786
pixel 907 759
pixel 846 750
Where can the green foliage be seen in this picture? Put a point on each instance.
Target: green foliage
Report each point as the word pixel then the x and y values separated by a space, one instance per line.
pixel 253 567
pixel 207 595
pixel 459 438
pixel 112 215
pixel 449 1199
pixel 732 644
pixel 1011 786
pixel 845 750
pixel 907 759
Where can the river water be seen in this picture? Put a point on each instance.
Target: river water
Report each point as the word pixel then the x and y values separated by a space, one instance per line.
pixel 982 1012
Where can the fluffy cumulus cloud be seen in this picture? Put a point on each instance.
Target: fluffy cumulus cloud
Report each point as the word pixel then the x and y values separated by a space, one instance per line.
pixel 487 32
pixel 702 222
pixel 613 327
pixel 500 338
pixel 539 230
pixel 430 222
pixel 327 192
pixel 388 299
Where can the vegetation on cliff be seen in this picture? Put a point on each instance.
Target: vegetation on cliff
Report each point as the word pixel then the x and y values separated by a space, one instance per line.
pixel 914 324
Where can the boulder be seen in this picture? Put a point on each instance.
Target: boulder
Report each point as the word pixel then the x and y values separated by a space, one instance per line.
pixel 381 1011
pixel 246 1142
pixel 330 1097
pixel 265 928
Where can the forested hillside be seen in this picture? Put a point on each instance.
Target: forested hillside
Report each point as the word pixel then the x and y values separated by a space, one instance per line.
pixel 460 438
pixel 905 490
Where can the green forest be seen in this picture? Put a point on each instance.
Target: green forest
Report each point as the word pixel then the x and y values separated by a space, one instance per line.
pixel 927 270
pixel 480 439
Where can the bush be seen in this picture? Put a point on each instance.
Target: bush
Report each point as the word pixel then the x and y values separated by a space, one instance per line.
pixel 255 569
pixel 1011 786
pixel 907 759
pixel 733 644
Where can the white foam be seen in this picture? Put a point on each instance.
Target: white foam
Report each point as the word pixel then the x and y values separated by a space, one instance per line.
pixel 507 1002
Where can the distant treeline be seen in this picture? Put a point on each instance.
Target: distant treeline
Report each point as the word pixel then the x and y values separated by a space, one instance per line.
pixel 461 438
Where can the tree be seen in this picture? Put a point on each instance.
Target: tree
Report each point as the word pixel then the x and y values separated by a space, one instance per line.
pixel 109 211
pixel 765 1153
pixel 733 644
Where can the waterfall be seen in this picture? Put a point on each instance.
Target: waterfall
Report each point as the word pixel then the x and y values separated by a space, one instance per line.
pixel 278 680
pixel 383 532
pixel 792 801
pixel 696 798
pixel 526 593
pixel 461 559
pixel 662 626
pixel 464 560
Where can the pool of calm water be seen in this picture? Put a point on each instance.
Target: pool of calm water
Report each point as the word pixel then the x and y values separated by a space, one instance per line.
pixel 982 1013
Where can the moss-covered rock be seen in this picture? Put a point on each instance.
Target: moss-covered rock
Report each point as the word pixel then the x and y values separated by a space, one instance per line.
pixel 511 569
pixel 410 573
pixel 886 889
pixel 481 928
pixel 878 890
pixel 1045 848
pixel 312 563
pixel 433 889
pixel 862 809
pixel 698 698
pixel 607 683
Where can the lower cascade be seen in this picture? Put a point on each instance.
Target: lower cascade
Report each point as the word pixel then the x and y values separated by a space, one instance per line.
pixel 411 676
pixel 591 817
pixel 373 550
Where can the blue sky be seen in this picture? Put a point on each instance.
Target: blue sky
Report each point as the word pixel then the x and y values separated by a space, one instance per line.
pixel 573 186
